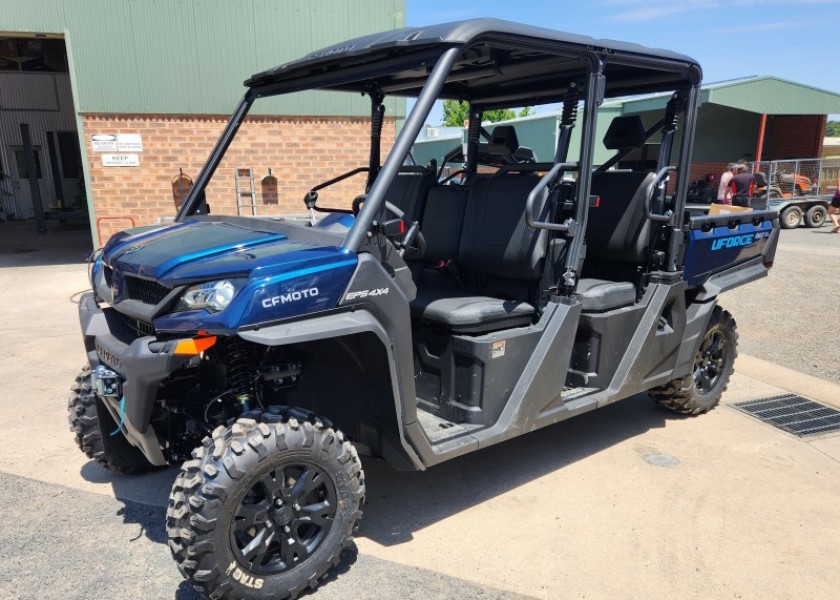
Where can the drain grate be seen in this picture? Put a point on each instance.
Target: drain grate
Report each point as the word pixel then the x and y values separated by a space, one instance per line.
pixel 794 414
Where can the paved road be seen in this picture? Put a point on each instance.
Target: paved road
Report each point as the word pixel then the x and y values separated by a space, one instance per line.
pixel 792 317
pixel 625 502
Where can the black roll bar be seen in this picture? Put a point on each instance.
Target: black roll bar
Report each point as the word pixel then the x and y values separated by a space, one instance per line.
pixel 192 202
pixel 356 236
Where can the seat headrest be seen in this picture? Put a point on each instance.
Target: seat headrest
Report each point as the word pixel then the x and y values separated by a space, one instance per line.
pixel 505 136
pixel 625 133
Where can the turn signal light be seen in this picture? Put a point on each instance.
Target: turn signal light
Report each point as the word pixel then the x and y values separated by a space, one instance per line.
pixel 194 346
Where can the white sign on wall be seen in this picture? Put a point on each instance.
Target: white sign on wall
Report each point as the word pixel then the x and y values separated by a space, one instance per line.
pixel 129 142
pixel 103 142
pixel 120 160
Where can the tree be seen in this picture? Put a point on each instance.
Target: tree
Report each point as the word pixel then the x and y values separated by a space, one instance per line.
pixel 526 111
pixel 455 112
pixel 832 129
pixel 500 114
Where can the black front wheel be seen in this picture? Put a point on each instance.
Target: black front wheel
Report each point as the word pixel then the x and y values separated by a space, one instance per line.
pixel 266 507
pixel 700 391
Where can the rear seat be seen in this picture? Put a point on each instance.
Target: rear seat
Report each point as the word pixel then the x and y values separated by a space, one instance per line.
pixel 618 236
pixel 409 189
pixel 499 259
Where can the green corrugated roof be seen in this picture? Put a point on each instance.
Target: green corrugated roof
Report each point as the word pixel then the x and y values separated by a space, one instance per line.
pixel 762 95
pixel 774 96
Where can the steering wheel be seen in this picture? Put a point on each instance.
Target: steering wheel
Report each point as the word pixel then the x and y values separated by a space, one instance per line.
pixel 413 245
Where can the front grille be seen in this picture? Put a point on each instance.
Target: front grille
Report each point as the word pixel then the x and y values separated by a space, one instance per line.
pixel 135 327
pixel 147 292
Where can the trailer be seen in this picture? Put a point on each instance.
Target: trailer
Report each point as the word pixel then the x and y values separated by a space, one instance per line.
pixel 798 210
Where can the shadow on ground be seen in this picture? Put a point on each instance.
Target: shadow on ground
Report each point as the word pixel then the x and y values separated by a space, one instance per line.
pixel 400 503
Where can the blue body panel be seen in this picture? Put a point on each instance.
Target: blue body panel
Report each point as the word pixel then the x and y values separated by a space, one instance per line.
pixel 721 247
pixel 281 278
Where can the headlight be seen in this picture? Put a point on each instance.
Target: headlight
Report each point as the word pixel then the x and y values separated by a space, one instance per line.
pixel 215 296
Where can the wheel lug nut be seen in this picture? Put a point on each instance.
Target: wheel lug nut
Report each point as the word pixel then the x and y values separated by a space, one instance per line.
pixel 296 506
pixel 278 502
pixel 287 529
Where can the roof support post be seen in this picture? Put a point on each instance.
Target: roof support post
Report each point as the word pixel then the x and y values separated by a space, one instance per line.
pixel 595 86
pixel 692 107
pixel 759 148
pixel 401 147
pixel 377 118
pixel 195 199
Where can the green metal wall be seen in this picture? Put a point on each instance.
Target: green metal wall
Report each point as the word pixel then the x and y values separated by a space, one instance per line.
pixel 538 132
pixel 725 133
pixel 191 56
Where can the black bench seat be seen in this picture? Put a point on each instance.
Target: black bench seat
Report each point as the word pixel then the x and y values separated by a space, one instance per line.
pixel 496 273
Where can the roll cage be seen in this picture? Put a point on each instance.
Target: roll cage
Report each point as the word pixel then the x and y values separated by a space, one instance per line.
pixel 490 64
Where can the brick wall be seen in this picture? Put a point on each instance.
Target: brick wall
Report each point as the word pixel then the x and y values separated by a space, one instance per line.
pixel 795 136
pixel 300 151
pixel 699 170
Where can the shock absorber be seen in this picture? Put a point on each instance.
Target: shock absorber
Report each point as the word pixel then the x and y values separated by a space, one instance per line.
pixel 236 357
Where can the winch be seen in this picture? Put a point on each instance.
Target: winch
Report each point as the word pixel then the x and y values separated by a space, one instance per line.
pixel 106 382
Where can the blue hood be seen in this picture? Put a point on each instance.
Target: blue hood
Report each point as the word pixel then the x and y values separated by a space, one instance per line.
pixel 198 251
pixel 274 259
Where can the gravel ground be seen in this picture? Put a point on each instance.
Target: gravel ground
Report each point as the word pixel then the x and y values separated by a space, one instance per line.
pixel 790 317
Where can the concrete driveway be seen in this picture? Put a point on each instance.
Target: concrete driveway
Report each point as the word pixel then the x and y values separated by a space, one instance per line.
pixel 625 502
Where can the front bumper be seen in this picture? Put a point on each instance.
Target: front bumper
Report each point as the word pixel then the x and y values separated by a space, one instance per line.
pixel 142 364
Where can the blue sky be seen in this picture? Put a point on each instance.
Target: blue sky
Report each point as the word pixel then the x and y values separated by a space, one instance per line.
pixel 798 40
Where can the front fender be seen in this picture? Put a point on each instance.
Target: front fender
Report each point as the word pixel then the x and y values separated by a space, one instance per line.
pixel 340 325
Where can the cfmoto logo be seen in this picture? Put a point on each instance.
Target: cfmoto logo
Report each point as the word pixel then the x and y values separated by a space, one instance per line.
pixel 289 297
pixel 733 242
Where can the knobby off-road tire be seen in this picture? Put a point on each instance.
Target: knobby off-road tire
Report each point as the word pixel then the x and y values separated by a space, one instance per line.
pixel 93 427
pixel 265 507
pixel 700 391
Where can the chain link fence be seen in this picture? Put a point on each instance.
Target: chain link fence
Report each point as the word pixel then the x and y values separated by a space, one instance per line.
pixel 799 177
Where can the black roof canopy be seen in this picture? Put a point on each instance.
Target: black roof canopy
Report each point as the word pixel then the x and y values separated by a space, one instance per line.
pixel 504 63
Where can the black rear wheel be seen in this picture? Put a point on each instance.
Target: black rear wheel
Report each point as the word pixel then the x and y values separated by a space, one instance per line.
pixel 93 428
pixel 266 507
pixel 700 391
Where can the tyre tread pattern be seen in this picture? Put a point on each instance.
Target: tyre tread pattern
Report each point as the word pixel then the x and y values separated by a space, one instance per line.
pixel 681 395
pixel 198 494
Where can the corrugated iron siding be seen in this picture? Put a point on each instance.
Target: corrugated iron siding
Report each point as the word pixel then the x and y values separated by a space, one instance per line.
pixel 191 56
pixel 18 90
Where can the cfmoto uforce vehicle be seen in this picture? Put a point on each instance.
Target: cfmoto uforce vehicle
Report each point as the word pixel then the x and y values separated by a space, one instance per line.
pixel 427 316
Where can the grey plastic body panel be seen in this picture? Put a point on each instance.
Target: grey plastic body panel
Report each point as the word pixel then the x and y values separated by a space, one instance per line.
pixel 143 368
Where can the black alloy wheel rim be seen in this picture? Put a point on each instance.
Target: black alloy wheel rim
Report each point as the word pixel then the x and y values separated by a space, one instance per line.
pixel 710 361
pixel 283 518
